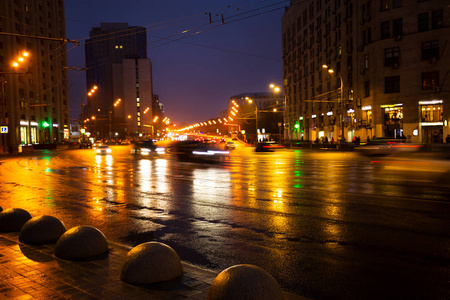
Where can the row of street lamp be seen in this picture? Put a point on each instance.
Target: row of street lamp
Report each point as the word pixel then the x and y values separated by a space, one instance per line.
pixel 234 109
pixel 232 113
pixel 93 92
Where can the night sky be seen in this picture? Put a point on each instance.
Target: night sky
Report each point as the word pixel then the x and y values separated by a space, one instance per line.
pixel 194 75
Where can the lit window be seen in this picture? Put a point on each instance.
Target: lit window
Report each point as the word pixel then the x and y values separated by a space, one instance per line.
pixel 432 113
pixel 117 47
pixel 138 113
pixel 430 80
pixel 138 118
pixel 121 46
pixel 137 100
pixel 139 123
pixel 138 105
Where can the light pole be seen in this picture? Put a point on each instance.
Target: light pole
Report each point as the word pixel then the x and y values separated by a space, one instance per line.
pixel 111 115
pixel 91 94
pixel 331 71
pixel 277 89
pixel 16 64
pixel 250 101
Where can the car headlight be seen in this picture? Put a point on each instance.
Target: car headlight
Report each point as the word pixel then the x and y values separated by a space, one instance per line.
pixel 98 151
pixel 108 150
pixel 145 151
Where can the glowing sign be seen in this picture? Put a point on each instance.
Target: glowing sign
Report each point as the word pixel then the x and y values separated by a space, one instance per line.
pixel 4 129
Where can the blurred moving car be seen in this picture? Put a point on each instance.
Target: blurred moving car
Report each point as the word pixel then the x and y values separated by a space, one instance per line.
pixel 269 147
pixel 103 150
pixel 195 151
pixel 147 148
pixel 230 146
pixel 387 146
pixel 86 145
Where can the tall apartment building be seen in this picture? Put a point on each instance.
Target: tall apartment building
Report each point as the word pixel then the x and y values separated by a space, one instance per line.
pixel 117 64
pixel 34 95
pixel 391 63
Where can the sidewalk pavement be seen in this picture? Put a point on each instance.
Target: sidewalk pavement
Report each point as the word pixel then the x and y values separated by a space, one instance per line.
pixel 34 272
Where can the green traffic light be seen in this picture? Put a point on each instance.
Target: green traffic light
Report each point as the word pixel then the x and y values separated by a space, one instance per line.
pixel 45 124
pixel 296 125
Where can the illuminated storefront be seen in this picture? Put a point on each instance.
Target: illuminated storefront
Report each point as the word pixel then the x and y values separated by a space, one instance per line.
pixel 33 132
pixel 23 135
pixel 393 120
pixel 366 119
pixel 431 121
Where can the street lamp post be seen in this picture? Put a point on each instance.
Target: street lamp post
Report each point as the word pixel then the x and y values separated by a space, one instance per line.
pixel 277 89
pixel 111 115
pixel 91 94
pixel 331 71
pixel 250 101
pixel 16 64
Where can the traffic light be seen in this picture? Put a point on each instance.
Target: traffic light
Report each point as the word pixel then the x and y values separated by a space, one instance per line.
pixel 45 124
pixel 296 125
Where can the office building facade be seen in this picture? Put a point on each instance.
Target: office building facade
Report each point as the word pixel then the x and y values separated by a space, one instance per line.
pixel 390 64
pixel 117 66
pixel 34 94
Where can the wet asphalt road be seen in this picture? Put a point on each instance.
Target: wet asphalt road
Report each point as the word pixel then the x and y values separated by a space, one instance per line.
pixel 324 224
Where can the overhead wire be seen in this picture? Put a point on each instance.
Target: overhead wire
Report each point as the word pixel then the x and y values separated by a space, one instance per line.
pixel 183 32
pixel 228 16
pixel 213 27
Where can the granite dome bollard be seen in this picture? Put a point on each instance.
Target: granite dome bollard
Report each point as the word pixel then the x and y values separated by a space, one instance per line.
pixel 245 282
pixel 151 262
pixel 81 242
pixel 12 219
pixel 41 230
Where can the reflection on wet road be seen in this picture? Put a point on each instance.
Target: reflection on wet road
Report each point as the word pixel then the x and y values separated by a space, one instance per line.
pixel 324 224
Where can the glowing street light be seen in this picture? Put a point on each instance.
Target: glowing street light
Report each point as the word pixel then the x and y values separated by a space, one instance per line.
pixel 274 88
pixel 92 91
pixel 20 59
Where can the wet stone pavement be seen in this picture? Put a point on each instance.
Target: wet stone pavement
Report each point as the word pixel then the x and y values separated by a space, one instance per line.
pixel 33 272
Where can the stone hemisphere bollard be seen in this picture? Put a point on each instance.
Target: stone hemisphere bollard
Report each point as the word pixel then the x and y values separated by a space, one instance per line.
pixel 1 208
pixel 12 219
pixel 81 242
pixel 41 230
pixel 245 282
pixel 151 262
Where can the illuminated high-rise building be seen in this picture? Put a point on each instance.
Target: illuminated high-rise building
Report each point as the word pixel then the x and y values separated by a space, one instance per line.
pixel 117 64
pixel 34 106
pixel 390 63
